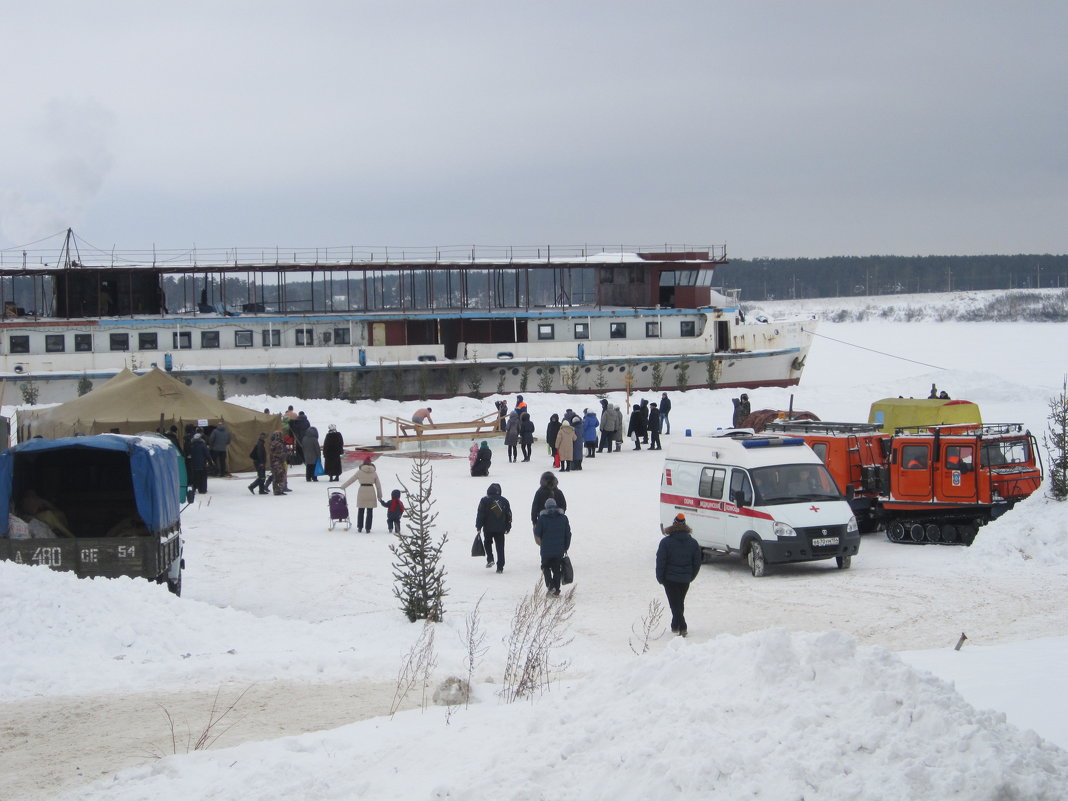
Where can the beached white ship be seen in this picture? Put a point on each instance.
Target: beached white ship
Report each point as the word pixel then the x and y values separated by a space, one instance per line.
pixel 348 322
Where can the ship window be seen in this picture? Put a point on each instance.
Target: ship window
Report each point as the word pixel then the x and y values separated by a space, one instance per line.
pixel 712 480
pixel 55 343
pixel 209 339
pixel 305 336
pixel 687 328
pixel 546 331
pixel 183 340
pixel 83 343
pixel 243 339
pixel 652 330
pixel 617 330
pixel 341 336
pixel 667 278
pixel 119 341
pixel 582 330
pixel 147 342
pixel 18 343
pixel 272 338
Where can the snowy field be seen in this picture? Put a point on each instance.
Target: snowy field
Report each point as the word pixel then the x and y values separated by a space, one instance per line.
pixel 809 683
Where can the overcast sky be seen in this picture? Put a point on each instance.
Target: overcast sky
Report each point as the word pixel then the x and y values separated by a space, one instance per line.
pixel 776 128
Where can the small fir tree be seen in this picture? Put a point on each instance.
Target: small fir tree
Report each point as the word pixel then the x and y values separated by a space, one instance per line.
pixel 418 573
pixel 85 386
pixel 1056 441
pixel 29 393
pixel 500 381
pixel 375 385
pixel 570 377
pixel 398 382
pixel 220 386
pixel 452 380
pixel 424 383
pixel 657 376
pixel 600 383
pixel 545 379
pixel 682 379
pixel 524 378
pixel 712 371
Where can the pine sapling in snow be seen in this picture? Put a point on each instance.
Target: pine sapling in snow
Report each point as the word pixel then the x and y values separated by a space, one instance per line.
pixel 418 573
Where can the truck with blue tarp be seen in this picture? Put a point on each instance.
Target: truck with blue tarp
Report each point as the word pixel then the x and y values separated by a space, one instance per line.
pixel 106 505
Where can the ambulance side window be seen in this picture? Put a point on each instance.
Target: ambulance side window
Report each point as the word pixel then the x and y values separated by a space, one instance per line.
pixel 741 489
pixel 712 480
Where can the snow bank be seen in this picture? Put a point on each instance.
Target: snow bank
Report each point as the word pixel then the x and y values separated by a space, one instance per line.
pixel 766 715
pixel 1035 529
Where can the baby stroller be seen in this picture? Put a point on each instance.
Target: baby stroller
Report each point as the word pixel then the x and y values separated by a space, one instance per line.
pixel 339 507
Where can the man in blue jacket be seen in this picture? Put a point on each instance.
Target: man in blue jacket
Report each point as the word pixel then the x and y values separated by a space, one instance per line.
pixel 678 559
pixel 553 533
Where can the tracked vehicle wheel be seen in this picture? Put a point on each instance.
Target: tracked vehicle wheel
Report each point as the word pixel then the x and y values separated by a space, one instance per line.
pixel 896 531
pixel 950 535
pixel 933 532
pixel 916 532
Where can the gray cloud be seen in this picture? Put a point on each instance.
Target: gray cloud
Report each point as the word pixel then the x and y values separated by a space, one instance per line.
pixel 781 128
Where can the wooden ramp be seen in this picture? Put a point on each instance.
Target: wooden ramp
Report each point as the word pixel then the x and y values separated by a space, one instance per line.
pixel 395 432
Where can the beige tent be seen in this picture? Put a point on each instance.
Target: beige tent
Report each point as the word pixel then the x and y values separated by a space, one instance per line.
pixel 132 404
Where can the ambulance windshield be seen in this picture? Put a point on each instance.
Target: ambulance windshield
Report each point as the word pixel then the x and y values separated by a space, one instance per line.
pixel 793 483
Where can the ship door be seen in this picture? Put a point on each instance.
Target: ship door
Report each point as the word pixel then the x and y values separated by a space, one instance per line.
pixel 378 334
pixel 723 336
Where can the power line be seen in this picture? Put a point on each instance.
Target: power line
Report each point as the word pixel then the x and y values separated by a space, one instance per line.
pixel 873 350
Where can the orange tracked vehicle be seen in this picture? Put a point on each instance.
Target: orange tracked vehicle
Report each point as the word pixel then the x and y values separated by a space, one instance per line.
pixel 936 483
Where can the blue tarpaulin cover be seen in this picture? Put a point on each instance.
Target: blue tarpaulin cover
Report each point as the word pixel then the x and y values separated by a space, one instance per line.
pixel 153 468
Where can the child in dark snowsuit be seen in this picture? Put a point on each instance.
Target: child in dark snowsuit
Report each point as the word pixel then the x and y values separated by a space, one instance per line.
pixel 394 510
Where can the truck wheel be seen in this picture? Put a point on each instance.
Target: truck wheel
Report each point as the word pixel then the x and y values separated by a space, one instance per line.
pixel 844 562
pixel 756 558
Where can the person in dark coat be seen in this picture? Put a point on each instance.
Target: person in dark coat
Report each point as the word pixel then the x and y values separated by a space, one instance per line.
pixel 551 430
pixel 502 414
pixel 552 532
pixel 493 520
pixel 678 560
pixel 482 461
pixel 665 411
pixel 654 428
pixel 511 437
pixel 333 447
pixel 218 443
pixel 548 487
pixel 741 409
pixel 259 461
pixel 199 459
pixel 394 511
pixel 636 427
pixel 526 435
pixel 298 428
pixel 608 420
pixel 309 445
pixel 644 406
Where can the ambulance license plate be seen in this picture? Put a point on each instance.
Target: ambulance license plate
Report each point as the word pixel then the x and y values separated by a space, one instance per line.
pixel 820 541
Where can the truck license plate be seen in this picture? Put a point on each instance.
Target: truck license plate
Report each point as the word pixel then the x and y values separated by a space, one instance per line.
pixel 819 541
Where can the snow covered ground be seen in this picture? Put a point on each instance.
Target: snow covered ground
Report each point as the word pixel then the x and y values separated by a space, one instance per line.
pixel 811 682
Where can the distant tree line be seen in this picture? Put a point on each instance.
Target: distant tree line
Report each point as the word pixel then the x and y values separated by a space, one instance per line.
pixel 838 276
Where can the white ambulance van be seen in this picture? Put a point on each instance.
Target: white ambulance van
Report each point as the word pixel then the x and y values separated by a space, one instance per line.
pixel 767 498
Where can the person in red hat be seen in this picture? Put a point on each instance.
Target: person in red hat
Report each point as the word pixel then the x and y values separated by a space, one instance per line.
pixel 678 560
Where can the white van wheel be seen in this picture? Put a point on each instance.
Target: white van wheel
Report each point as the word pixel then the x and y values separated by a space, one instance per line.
pixel 756 558
pixel 844 562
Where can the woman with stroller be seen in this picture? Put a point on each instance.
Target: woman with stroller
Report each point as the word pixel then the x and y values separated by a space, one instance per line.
pixel 369 494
